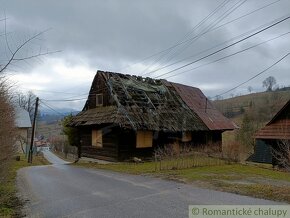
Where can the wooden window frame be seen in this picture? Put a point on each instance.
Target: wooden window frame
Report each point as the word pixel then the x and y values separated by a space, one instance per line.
pixel 98 104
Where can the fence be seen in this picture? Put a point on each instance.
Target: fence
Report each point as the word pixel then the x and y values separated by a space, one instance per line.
pixel 169 159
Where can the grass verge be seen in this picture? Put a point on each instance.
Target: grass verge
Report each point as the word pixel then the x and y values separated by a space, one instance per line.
pixel 10 204
pixel 251 180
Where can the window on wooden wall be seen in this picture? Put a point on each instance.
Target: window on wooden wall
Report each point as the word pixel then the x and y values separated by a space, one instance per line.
pixel 144 139
pixel 97 138
pixel 99 100
pixel 186 137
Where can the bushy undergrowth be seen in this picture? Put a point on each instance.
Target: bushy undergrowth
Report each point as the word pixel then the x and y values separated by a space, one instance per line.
pixel 7 128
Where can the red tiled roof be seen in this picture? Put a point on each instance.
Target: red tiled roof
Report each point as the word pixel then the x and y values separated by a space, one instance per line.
pixel 198 102
pixel 278 127
pixel 276 130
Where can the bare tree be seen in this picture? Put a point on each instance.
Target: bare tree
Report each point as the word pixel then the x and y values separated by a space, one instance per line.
pixel 27 102
pixel 281 154
pixel 25 49
pixel 218 97
pixel 269 83
pixel 250 89
pixel 12 52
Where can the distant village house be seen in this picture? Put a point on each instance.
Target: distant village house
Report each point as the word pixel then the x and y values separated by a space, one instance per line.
pixel 23 124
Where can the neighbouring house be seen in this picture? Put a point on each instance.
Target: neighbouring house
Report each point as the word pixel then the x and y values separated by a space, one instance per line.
pixel 41 145
pixel 129 116
pixel 272 136
pixel 23 124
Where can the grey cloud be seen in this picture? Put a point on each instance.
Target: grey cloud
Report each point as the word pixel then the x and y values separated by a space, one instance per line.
pixel 109 34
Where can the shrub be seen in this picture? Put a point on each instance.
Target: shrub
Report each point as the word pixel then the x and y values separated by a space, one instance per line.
pixel 187 156
pixel 7 128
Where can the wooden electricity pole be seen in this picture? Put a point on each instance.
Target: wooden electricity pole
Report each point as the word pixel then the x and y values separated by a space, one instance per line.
pixel 33 131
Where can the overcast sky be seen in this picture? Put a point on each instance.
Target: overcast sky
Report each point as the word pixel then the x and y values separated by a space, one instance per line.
pixel 116 35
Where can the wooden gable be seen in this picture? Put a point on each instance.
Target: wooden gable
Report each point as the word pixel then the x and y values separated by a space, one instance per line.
pixel 99 90
pixel 278 127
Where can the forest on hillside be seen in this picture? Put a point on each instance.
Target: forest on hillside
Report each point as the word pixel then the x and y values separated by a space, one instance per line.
pixel 250 112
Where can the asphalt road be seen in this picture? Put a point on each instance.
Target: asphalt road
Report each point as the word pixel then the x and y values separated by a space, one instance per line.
pixel 61 190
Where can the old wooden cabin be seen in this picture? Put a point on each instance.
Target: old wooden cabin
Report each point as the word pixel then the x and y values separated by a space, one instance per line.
pixel 274 135
pixel 127 116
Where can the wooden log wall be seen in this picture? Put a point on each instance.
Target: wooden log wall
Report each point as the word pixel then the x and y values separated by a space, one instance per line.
pixel 109 151
pixel 120 144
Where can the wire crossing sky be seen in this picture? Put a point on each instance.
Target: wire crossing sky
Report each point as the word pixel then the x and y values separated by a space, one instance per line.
pixel 160 39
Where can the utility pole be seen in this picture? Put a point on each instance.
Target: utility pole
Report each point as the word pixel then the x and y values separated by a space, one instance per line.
pixel 33 132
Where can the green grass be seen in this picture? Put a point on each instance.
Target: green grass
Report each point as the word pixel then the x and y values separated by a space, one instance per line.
pixel 131 168
pixel 232 171
pixel 9 203
pixel 263 181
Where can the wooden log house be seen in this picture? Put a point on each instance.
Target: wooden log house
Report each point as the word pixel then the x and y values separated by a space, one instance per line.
pixel 129 116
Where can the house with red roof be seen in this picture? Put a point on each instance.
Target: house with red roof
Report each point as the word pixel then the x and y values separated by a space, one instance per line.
pixel 272 136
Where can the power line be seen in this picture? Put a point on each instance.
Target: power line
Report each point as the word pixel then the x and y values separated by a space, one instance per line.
pixel 45 104
pixel 188 34
pixel 230 55
pixel 49 107
pixel 173 46
pixel 258 74
pixel 208 49
pixel 76 99
pixel 226 47
pixel 55 92
pixel 73 98
pixel 207 29
pixel 60 92
pixel 245 15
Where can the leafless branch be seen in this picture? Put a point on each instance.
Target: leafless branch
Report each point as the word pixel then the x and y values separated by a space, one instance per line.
pixel 34 56
pixel 18 49
pixel 281 154
pixel 5 32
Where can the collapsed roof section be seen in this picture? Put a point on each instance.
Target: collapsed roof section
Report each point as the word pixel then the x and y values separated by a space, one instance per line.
pixel 146 104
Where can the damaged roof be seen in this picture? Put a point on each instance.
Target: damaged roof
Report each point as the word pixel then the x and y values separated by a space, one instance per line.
pixel 149 104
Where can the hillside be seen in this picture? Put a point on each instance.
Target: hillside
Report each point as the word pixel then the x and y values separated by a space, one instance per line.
pixel 53 117
pixel 250 113
pixel 49 123
pixel 264 105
